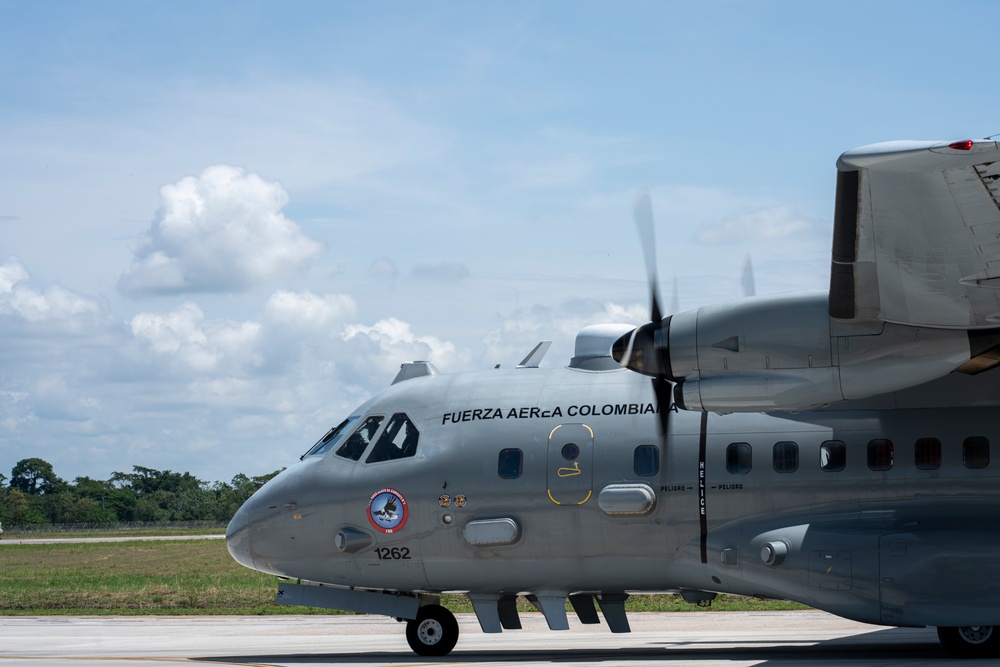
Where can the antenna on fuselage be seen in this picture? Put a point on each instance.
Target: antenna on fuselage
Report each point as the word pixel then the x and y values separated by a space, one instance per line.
pixel 535 356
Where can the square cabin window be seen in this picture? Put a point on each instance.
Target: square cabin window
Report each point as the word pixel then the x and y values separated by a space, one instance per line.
pixel 785 457
pixel 976 452
pixel 927 453
pixel 833 456
pixel 739 458
pixel 880 454
pixel 510 463
pixel 646 460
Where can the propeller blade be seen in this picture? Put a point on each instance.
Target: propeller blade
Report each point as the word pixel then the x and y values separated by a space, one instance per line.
pixel 664 397
pixel 642 213
pixel 746 277
pixel 638 350
pixel 675 298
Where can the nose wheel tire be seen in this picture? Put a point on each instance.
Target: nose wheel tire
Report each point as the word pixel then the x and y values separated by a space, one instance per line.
pixel 980 641
pixel 434 632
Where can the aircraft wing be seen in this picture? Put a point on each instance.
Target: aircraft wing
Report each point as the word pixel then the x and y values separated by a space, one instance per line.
pixel 917 234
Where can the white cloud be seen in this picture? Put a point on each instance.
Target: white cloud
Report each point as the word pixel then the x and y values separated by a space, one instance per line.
pixel 745 225
pixel 56 308
pixel 166 333
pixel 200 346
pixel 221 231
pixel 54 304
pixel 11 273
pixel 390 342
pixel 305 309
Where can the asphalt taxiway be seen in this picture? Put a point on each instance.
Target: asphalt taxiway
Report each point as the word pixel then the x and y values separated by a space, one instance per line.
pixel 681 638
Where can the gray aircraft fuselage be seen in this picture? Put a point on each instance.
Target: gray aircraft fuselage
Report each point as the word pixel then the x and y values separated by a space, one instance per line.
pixel 832 449
pixel 815 507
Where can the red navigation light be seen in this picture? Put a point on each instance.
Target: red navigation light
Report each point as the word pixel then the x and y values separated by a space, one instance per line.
pixel 961 145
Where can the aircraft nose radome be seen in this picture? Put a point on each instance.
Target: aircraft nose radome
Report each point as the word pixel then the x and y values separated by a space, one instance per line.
pixel 238 536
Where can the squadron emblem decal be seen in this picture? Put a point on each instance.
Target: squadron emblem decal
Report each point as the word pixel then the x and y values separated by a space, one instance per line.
pixel 387 511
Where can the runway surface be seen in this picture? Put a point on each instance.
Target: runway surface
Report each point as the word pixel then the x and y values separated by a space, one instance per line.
pixel 680 638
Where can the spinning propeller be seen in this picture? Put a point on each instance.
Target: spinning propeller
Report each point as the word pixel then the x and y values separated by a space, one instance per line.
pixel 638 349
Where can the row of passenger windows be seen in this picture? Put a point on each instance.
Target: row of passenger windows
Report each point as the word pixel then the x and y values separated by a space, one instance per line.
pixel 398 439
pixel 880 454
pixel 645 462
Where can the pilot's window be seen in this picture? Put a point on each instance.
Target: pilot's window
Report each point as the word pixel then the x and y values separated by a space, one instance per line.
pixel 927 453
pixel 880 454
pixel 646 460
pixel 358 442
pixel 833 456
pixel 332 437
pixel 509 463
pixel 976 452
pixel 398 440
pixel 786 457
pixel 738 458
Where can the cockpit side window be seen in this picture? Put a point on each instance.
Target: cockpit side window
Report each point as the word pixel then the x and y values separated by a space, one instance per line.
pixel 356 445
pixel 398 441
pixel 332 437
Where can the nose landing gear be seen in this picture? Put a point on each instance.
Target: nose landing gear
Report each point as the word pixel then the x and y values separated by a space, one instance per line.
pixel 982 641
pixel 434 632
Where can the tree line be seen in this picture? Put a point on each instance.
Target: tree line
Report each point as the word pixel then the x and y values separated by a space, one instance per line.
pixel 34 494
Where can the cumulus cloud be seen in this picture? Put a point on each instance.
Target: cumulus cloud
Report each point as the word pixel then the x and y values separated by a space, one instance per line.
pixel 183 334
pixel 441 271
pixel 11 273
pixel 309 310
pixel 763 223
pixel 221 231
pixel 57 308
pixel 390 342
pixel 54 304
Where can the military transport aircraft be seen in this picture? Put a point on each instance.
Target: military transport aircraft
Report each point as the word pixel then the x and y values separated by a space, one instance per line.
pixel 834 449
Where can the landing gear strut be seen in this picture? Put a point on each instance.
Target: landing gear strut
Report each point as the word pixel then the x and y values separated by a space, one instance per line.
pixel 434 632
pixel 980 641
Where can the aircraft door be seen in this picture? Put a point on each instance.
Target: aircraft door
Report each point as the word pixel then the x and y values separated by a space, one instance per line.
pixel 570 470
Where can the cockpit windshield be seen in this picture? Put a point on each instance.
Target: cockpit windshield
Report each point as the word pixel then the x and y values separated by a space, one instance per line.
pixel 356 445
pixel 398 440
pixel 332 437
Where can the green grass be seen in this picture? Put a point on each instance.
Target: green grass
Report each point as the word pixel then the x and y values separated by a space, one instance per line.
pixel 188 577
pixel 132 578
pixel 111 532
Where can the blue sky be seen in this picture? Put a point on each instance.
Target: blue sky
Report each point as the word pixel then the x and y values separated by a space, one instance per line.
pixel 224 225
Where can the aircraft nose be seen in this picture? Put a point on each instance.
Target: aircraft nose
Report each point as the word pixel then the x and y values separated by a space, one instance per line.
pixel 238 536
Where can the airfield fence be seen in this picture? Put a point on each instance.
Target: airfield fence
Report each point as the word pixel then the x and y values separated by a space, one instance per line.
pixel 124 526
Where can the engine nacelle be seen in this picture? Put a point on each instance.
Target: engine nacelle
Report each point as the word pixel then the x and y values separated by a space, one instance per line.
pixel 787 353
